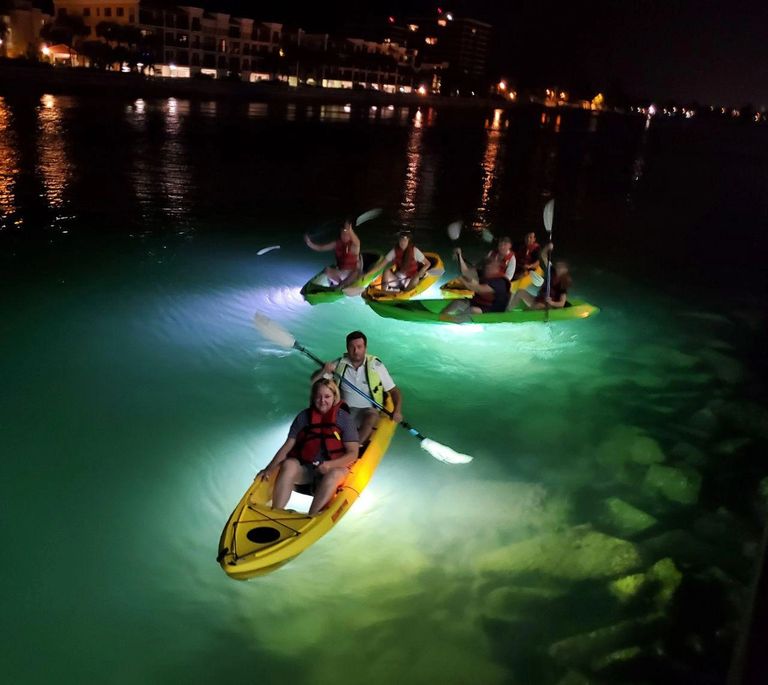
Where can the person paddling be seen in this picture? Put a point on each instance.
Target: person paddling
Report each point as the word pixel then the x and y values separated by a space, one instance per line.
pixel 322 444
pixel 369 375
pixel 404 265
pixel 348 261
pixel 559 284
pixel 491 294
pixel 529 254
pixel 503 253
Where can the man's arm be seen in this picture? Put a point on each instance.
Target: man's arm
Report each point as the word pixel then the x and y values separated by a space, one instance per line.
pixel 397 399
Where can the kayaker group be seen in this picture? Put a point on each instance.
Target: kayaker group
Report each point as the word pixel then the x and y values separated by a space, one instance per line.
pixel 493 283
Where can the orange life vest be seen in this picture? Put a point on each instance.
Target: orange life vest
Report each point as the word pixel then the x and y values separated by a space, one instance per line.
pixel 405 262
pixel 345 258
pixel 320 439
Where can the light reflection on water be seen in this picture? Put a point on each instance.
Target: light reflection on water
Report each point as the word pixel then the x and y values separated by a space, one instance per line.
pixel 54 165
pixel 9 167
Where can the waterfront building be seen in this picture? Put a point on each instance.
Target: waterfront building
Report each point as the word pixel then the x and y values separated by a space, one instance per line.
pixel 21 23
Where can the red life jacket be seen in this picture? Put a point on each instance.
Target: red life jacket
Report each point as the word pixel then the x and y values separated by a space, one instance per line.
pixel 530 250
pixel 320 438
pixel 345 258
pixel 505 260
pixel 405 262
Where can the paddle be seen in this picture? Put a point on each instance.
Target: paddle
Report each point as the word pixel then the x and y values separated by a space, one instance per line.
pixel 548 216
pixel 278 335
pixel 264 250
pixel 367 216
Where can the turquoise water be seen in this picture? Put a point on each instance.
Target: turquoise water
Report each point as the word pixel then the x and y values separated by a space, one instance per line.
pixel 139 401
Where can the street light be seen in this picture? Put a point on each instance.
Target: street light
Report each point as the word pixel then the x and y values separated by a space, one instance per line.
pixel 502 85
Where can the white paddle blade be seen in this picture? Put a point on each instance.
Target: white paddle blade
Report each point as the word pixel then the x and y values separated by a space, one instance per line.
pixel 367 216
pixel 272 331
pixel 264 250
pixel 437 271
pixel 352 292
pixel 454 230
pixel 536 279
pixel 549 214
pixel 444 453
pixel 487 236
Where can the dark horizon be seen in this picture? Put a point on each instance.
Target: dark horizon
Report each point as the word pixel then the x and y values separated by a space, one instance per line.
pixel 676 50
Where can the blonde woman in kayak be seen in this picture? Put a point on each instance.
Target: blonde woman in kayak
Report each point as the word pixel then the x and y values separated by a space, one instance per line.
pixel 322 444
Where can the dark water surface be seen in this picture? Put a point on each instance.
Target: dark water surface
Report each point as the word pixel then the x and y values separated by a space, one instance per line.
pixel 607 529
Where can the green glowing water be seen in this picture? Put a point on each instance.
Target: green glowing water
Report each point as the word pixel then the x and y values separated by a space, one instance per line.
pixel 139 402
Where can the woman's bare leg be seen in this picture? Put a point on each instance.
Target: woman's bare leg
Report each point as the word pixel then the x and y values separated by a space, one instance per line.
pixel 328 486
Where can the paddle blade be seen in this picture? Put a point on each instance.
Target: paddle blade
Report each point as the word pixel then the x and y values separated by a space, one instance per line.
pixel 367 216
pixel 352 292
pixel 272 331
pixel 549 214
pixel 454 230
pixel 264 250
pixel 437 271
pixel 444 453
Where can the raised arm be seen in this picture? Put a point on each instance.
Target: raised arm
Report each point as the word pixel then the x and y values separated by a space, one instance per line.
pixel 324 247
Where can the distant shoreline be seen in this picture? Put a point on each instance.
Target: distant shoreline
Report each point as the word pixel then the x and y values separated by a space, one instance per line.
pixel 80 81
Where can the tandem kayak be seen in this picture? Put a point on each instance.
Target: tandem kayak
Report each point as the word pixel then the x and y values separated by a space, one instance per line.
pixel 428 311
pixel 320 294
pixel 454 289
pixel 258 539
pixel 436 270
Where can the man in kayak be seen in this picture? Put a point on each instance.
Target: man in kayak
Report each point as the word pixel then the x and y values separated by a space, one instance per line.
pixel 404 265
pixel 322 444
pixel 559 282
pixel 529 255
pixel 369 375
pixel 348 261
pixel 491 294
pixel 503 254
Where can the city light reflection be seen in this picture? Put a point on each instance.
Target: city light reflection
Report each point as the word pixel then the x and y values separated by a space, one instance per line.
pixel 491 170
pixel 53 164
pixel 9 166
pixel 175 168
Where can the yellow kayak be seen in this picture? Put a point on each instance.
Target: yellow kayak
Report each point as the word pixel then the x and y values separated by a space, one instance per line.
pixel 258 539
pixel 436 270
pixel 454 289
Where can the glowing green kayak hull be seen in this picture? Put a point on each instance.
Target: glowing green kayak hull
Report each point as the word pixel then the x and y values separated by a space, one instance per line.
pixel 428 311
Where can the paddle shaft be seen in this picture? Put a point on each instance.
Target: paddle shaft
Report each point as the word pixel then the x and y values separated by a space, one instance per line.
pixel 349 384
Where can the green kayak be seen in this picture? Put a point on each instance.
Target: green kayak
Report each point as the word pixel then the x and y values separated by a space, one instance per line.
pixel 428 311
pixel 320 294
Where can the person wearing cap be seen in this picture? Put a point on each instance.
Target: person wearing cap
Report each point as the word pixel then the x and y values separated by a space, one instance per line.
pixel 368 374
pixel 348 261
pixel 404 265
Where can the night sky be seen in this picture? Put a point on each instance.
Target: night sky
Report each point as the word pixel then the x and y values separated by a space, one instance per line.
pixel 710 51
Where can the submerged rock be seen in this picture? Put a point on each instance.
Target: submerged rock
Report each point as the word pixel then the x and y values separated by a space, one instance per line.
pixel 617 657
pixel 629 443
pixel 506 602
pixel 684 451
pixel 574 678
pixel 678 545
pixel 586 647
pixel 703 422
pixel 725 368
pixel 731 445
pixel 625 519
pixel 675 484
pixel 658 584
pixel 576 554
pixel 748 418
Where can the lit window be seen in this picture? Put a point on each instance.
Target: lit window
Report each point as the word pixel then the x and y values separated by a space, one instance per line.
pixel 413 27
pixel 442 22
pixel 430 40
